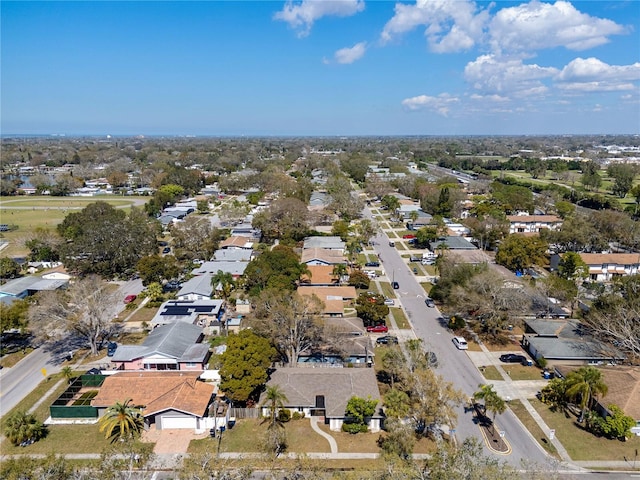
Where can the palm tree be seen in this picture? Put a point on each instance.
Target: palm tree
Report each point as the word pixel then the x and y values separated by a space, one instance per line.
pixel 67 372
pixel 122 421
pixel 492 402
pixel 339 271
pixel 223 282
pixel 583 385
pixel 274 397
pixel 23 426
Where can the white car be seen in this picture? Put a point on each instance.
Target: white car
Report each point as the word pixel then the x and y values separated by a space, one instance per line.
pixel 460 343
pixel 389 301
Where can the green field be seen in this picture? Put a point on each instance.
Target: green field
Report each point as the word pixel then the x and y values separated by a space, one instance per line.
pixel 25 214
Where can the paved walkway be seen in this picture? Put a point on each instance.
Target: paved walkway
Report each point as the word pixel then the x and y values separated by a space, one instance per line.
pixel 319 431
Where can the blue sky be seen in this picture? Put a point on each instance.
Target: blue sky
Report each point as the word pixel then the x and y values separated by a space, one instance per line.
pixel 316 67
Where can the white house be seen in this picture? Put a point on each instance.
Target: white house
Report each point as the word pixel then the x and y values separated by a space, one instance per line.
pixel 604 267
pixel 533 223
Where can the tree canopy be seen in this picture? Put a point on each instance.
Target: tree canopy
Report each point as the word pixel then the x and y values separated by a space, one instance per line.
pixel 245 364
pixel 278 268
pixel 104 240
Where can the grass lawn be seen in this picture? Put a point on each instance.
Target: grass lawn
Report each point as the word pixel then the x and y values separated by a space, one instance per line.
pixel 520 372
pixel 401 246
pixel 582 445
pixel 400 318
pixel 62 439
pixel 247 436
pixel 527 420
pixel 11 359
pixel 418 266
pixel 427 286
pixel 491 373
pixel 386 289
pixel 143 314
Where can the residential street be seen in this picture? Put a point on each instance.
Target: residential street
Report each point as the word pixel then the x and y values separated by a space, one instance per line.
pixel 454 365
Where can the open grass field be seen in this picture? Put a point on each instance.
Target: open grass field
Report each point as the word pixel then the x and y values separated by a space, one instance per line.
pixel 30 213
pixel 582 445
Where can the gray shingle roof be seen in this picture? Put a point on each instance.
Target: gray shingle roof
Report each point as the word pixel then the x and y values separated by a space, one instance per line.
pixel 329 243
pixel 200 285
pixel 453 242
pixel 171 340
pixel 337 385
pixel 20 285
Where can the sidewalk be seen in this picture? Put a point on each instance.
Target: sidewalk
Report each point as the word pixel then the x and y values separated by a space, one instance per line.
pixel 510 389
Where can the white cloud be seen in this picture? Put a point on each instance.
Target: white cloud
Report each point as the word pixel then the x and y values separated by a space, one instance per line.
pixel 593 75
pixel 490 74
pixel 351 54
pixel 536 25
pixel 302 15
pixel 593 69
pixel 489 98
pixel 450 26
pixel 439 104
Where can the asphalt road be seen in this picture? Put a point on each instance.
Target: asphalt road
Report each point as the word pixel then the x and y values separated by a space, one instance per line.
pixel 18 381
pixel 453 364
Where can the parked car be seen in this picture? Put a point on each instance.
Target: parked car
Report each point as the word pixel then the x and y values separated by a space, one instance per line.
pixel 392 244
pixel 395 285
pixel 171 286
pixel 513 358
pixel 372 264
pixel 408 236
pixel 460 343
pixel 389 301
pixel 432 359
pixel 166 249
pixel 429 302
pixel 111 349
pixel 130 298
pixel 386 340
pixel 378 329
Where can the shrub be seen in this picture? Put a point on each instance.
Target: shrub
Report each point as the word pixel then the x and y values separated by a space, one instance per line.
pixel 297 415
pixel 542 362
pixel 616 425
pixel 457 323
pixel 354 428
pixel 284 415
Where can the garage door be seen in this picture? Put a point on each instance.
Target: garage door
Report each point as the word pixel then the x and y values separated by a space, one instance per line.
pixel 178 422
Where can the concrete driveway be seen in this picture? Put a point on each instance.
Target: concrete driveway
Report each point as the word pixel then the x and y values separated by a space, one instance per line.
pixel 170 440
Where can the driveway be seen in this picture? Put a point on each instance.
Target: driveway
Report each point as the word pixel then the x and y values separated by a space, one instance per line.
pixel 170 440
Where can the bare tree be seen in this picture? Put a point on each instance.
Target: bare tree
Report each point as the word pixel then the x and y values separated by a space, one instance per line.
pixel 291 321
pixel 85 309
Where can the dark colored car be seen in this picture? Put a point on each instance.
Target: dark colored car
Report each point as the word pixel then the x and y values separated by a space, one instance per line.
pixel 395 285
pixel 513 358
pixel 429 303
pixel 171 286
pixel 372 264
pixel 166 250
pixel 378 329
pixel 386 339
pixel 111 349
pixel 432 359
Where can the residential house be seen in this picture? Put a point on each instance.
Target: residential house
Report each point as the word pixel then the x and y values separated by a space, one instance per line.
pixel 319 275
pixel 452 242
pixel 422 220
pixel 533 223
pixel 197 288
pixel 325 392
pixel 235 242
pixel 175 346
pixel 334 298
pixel 326 243
pixel 169 400
pixel 22 287
pixel 565 342
pixel 235 268
pixel 623 389
pixel 319 201
pixel 245 229
pixel 321 256
pixel 194 312
pixel 604 267
pixel 232 255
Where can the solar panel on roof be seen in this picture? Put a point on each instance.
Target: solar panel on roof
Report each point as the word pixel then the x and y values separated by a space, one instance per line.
pixel 175 311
